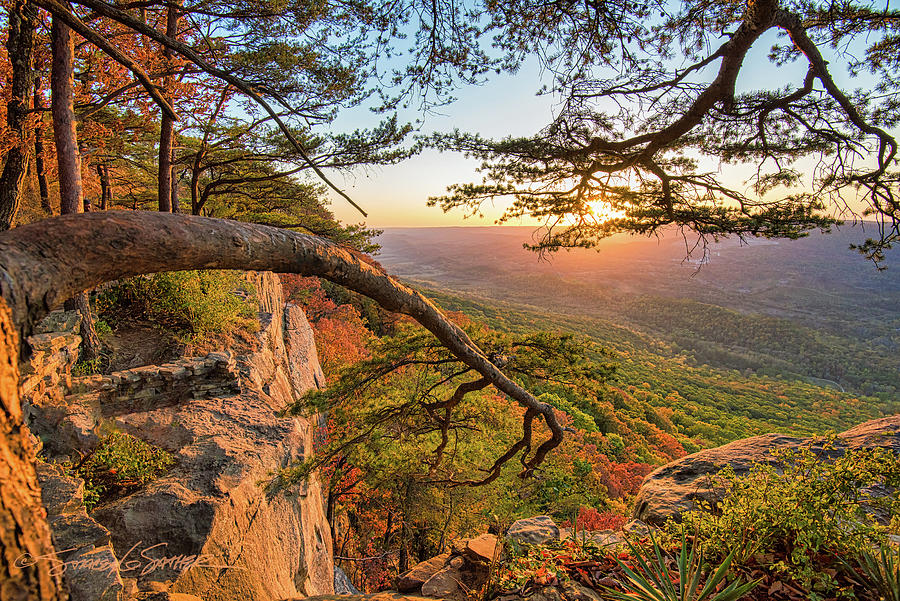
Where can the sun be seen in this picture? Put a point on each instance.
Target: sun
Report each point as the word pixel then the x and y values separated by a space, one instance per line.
pixel 602 211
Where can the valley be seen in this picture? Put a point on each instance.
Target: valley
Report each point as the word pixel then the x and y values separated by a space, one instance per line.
pixel 796 336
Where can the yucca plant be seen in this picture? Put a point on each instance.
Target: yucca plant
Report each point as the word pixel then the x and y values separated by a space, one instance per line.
pixel 654 581
pixel 882 569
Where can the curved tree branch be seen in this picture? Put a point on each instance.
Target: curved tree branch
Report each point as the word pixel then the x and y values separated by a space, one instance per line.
pixel 43 263
pixel 887 146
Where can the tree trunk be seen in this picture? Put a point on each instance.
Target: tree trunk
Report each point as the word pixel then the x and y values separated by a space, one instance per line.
pixel 167 124
pixel 24 534
pixel 71 193
pixel 105 192
pixel 90 340
pixel 164 190
pixel 176 204
pixel 39 151
pixel 19 46
pixel 195 189
pixel 62 102
pixel 386 541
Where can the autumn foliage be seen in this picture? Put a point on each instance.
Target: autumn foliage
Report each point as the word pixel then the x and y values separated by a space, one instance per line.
pixel 388 509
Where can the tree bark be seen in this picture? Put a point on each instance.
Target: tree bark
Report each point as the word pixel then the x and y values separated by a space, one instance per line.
pixel 195 187
pixel 39 151
pixel 105 192
pixel 71 193
pixel 20 49
pixel 167 124
pixel 24 534
pixel 62 77
pixel 176 204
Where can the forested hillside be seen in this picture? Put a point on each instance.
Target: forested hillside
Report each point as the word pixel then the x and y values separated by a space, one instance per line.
pixel 804 311
pixel 653 400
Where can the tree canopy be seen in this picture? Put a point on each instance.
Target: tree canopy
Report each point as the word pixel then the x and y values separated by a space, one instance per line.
pixel 654 105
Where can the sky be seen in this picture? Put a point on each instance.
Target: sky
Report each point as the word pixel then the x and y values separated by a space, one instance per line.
pixel 396 195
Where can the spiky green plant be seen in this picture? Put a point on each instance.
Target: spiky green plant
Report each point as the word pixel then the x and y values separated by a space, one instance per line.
pixel 654 581
pixel 882 568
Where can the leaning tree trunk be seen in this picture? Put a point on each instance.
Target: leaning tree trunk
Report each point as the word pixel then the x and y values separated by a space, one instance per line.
pixel 71 193
pixel 44 263
pixel 20 50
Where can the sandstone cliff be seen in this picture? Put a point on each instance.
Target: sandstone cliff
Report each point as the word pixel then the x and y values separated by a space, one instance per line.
pixel 217 416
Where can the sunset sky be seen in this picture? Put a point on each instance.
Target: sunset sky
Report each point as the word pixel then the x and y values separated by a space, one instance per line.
pixel 396 195
pixel 506 105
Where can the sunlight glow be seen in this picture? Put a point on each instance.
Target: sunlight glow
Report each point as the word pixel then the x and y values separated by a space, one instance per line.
pixel 601 211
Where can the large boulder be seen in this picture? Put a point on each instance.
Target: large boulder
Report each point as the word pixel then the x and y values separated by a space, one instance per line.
pixel 210 527
pixel 536 530
pixel 676 487
pixel 451 576
pixel 484 548
pixel 445 584
pixel 421 572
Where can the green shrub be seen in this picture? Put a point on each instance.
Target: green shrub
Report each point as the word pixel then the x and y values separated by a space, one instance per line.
pixel 103 329
pixel 120 464
pixel 191 304
pixel 580 419
pixel 87 368
pixel 798 520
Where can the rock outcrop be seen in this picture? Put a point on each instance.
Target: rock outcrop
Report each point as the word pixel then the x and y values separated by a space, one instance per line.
pixel 90 568
pixel 675 487
pixel 536 530
pixel 208 527
pixel 455 575
pixel 342 583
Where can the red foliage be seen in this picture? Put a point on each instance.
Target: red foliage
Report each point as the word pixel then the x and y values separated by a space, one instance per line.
pixel 622 479
pixel 666 444
pixel 341 336
pixel 591 519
